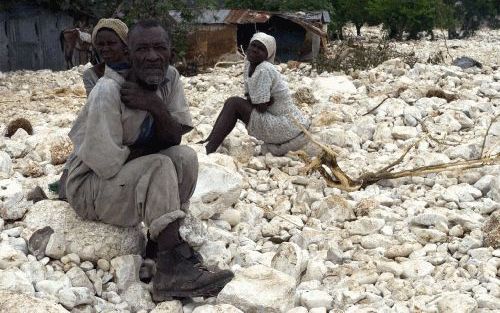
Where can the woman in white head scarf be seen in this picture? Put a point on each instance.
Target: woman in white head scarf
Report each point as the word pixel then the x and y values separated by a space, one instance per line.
pixel 268 107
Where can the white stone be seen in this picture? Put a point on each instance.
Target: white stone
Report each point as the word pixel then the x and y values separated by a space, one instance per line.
pixel 79 278
pixel 495 189
pixel 416 268
pixel 364 226
pixel 22 303
pixel 50 287
pixel 174 306
pixel 15 280
pixel 488 301
pixel 10 257
pixel 215 254
pixel 217 189
pixel 404 132
pixel 316 299
pixel 325 87
pixel 56 247
pixel 88 239
pixel 232 216
pixel 290 260
pixel 259 288
pixel 35 271
pixel 11 194
pixel 5 165
pixel 126 269
pixel 138 297
pixel 219 308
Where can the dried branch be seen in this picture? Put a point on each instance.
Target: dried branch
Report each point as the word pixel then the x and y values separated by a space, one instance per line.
pixel 376 107
pixel 487 132
pixel 337 178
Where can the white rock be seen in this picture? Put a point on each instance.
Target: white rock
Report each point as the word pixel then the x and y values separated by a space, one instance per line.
pixel 259 288
pixel 138 297
pixel 457 303
pixel 35 271
pixel 74 296
pixel 290 260
pixel 219 308
pixel 174 306
pixel 232 216
pixel 316 299
pixel 299 309
pixel 5 165
pixel 215 254
pixel 126 269
pixel 495 189
pixel 50 287
pixel 488 301
pixel 88 239
pixel 15 280
pixel 22 303
pixel 56 247
pixel 404 132
pixel 364 226
pixel 10 257
pixel 325 87
pixel 217 189
pixel 79 278
pixel 11 194
pixel 461 193
pixel 429 219
pixel 416 268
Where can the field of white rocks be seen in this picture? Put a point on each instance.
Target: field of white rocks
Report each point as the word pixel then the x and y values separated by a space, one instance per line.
pixel 419 244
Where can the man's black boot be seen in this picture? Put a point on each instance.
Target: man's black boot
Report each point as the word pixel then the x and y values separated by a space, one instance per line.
pixel 179 272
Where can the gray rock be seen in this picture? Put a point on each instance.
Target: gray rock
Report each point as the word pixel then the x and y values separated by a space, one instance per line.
pixel 15 280
pixel 364 226
pixel 461 193
pixel 22 303
pixel 138 297
pixel 404 132
pixel 11 194
pixel 429 219
pixel 215 254
pixel 126 269
pixel 38 241
pixel 259 288
pixel 90 240
pixel 217 189
pixel 79 278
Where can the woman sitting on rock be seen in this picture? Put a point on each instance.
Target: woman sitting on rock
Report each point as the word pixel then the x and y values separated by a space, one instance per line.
pixel 268 108
pixel 109 38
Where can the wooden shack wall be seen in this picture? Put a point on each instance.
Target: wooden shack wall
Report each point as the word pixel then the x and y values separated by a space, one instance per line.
pixel 209 42
pixel 29 38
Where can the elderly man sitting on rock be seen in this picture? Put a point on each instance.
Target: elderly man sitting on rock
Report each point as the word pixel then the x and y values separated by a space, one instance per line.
pixel 130 167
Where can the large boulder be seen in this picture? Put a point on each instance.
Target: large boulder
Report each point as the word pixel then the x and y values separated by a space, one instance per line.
pixel 260 289
pixel 325 87
pixel 21 303
pixel 218 188
pixel 89 239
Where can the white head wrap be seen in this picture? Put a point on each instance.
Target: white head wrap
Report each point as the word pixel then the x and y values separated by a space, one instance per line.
pixel 269 42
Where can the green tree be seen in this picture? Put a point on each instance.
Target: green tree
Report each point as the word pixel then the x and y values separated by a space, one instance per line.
pixel 279 5
pixel 350 11
pixel 470 14
pixel 407 16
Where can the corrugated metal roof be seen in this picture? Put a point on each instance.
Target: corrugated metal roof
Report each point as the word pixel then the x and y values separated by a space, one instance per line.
pixel 247 16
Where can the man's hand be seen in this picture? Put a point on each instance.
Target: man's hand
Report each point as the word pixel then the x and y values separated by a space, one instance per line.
pixel 136 97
